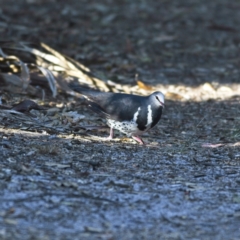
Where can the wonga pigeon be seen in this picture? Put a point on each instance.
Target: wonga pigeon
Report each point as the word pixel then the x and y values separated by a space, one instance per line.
pixel 130 114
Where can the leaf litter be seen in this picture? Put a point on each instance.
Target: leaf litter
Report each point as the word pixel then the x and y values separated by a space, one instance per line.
pixel 60 180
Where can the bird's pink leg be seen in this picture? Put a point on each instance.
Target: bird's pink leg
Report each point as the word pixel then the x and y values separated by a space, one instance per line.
pixel 138 139
pixel 111 134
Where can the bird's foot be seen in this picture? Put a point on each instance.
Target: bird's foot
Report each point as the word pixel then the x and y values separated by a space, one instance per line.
pixel 138 139
pixel 110 137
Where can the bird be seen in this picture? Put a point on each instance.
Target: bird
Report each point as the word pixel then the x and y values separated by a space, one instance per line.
pixel 130 114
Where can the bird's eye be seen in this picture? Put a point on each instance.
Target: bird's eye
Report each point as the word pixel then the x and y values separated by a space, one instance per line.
pixel 161 103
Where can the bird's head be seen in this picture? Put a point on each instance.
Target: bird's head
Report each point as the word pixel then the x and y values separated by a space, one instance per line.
pixel 157 98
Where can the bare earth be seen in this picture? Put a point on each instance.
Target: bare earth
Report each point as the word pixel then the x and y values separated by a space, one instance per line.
pixel 185 182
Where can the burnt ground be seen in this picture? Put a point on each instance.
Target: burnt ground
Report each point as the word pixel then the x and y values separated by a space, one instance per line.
pixel 185 182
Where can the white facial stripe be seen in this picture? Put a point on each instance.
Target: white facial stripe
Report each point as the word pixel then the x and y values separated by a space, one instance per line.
pixel 149 116
pixel 162 99
pixel 136 115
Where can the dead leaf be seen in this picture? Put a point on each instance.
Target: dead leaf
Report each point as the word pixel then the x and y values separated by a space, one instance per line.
pixel 208 87
pixel 144 86
pixel 26 106
pixel 212 145
pixel 164 38
pixel 221 28
pixel 58 165
pixel 173 96
pixel 10 221
pixel 224 89
pixel 25 76
pixel 11 79
pixel 51 80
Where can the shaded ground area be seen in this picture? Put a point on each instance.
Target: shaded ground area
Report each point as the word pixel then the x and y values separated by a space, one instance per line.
pixel 185 183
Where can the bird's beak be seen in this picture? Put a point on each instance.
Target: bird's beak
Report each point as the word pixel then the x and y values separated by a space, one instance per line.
pixel 162 104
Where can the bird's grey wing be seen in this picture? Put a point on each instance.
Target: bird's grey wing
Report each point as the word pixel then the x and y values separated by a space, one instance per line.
pixel 121 107
pixel 116 106
pixel 93 98
pixel 97 109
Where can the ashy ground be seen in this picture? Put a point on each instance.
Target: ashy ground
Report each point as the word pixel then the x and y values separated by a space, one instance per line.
pixel 185 182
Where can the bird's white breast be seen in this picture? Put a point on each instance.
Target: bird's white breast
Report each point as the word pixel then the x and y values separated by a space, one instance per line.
pixel 127 127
